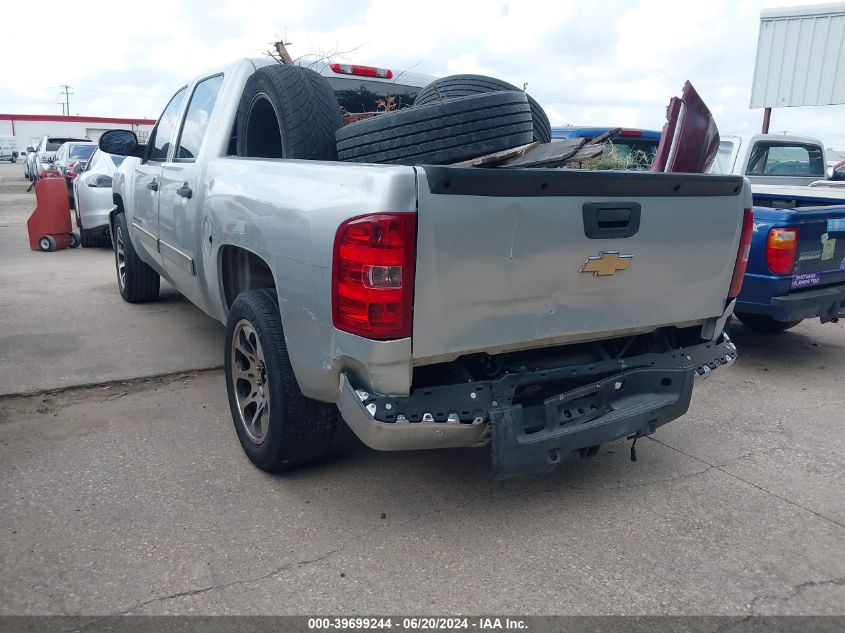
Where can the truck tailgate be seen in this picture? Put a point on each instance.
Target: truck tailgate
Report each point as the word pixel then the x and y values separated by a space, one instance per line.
pixel 820 259
pixel 499 253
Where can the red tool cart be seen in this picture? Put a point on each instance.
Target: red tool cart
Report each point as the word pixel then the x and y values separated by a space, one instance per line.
pixel 49 225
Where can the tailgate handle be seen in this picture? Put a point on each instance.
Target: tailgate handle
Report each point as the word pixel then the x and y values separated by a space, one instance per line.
pixel 605 220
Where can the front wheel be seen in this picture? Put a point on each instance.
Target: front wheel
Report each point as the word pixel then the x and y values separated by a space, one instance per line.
pixel 764 324
pixel 136 280
pixel 278 427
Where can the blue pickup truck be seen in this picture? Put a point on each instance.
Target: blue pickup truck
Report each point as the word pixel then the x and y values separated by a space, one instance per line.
pixel 796 268
pixel 627 141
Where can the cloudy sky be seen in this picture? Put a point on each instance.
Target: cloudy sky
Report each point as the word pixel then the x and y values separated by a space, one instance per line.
pixel 602 62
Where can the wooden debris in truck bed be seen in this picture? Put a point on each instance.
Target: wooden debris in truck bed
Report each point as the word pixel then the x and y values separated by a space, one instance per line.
pixel 586 153
pixel 570 151
pixel 552 154
pixel 497 157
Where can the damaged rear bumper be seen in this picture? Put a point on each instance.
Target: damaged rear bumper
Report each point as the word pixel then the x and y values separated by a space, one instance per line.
pixel 616 398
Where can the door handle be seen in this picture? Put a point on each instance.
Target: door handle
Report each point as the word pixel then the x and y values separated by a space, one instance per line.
pixel 152 186
pixel 611 220
pixel 185 191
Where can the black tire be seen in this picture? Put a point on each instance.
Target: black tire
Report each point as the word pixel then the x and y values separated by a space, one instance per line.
pixel 463 85
pixel 440 133
pixel 140 282
pixel 296 430
pixel 47 243
pixel 93 239
pixel 764 324
pixel 74 241
pixel 287 112
pixel 14 159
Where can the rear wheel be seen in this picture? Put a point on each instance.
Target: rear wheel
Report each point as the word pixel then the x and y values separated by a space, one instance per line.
pixel 765 324
pixel 136 280
pixel 278 427
pixel 47 243
pixel 74 240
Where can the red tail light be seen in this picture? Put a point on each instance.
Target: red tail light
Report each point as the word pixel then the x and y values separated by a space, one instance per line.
pixel 373 275
pixel 781 247
pixel 362 71
pixel 742 253
pixel 630 132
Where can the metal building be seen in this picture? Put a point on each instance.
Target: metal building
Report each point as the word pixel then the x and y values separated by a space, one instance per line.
pixel 800 57
pixel 29 128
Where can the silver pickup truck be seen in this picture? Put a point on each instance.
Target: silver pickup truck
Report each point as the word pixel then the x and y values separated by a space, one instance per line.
pixel 541 311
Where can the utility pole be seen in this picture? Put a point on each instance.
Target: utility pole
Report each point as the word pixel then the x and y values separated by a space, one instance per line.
pixel 62 103
pixel 66 92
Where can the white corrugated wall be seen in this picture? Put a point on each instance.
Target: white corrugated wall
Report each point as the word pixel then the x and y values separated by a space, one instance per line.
pixel 800 57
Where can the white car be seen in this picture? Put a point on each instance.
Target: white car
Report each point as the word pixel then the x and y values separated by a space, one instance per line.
pixel 92 197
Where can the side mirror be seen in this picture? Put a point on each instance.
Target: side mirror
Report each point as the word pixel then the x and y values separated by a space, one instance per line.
pixel 30 149
pixel 120 142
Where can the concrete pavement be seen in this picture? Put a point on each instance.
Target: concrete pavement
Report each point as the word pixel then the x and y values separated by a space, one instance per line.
pixel 64 323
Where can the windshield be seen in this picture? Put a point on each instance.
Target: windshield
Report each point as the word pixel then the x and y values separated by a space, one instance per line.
pixel 722 164
pixel 81 152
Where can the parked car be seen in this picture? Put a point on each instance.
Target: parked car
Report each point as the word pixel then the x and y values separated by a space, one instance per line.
pixel 796 268
pixel 92 195
pixel 837 172
pixel 69 154
pixel 429 306
pixel 28 158
pixel 8 148
pixel 45 153
pixel 635 146
pixel 771 158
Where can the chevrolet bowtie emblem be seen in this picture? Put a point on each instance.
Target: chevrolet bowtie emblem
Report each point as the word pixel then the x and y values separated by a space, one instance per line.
pixel 606 263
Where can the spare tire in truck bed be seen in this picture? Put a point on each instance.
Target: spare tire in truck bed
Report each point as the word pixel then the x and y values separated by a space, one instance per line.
pixel 440 133
pixel 287 112
pixel 463 85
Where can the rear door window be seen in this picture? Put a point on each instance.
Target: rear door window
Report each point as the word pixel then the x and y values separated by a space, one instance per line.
pixel 786 159
pixel 197 118
pixel 159 145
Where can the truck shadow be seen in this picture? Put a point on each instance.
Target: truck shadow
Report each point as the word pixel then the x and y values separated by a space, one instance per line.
pixel 809 345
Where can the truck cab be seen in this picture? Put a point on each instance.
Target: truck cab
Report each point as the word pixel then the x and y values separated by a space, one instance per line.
pixel 772 159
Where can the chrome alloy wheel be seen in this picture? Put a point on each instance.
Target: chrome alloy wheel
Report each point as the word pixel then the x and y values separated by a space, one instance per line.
pixel 120 256
pixel 249 377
